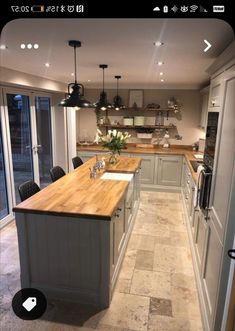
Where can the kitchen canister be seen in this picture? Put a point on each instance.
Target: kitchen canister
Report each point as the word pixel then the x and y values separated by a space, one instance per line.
pixel 139 120
pixel 128 120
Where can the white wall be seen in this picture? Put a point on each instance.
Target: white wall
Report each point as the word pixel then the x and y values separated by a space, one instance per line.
pixel 187 123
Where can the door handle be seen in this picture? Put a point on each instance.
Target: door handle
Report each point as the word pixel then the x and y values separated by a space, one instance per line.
pixel 231 253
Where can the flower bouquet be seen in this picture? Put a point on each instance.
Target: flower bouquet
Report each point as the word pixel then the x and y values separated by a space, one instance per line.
pixel 115 141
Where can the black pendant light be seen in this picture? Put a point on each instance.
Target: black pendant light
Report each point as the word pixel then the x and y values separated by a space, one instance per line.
pixel 103 103
pixel 117 100
pixel 75 95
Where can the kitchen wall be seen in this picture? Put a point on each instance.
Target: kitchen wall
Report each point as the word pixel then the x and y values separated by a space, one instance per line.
pixel 187 122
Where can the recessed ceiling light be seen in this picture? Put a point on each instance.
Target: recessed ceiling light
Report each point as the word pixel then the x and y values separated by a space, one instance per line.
pixel 29 46
pixel 88 80
pixel 47 64
pixel 158 43
pixel 35 46
pixel 3 47
pixel 161 73
pixel 72 73
pixel 22 46
pixel 162 80
pixel 160 63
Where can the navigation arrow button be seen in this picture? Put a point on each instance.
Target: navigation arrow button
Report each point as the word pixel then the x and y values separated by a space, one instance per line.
pixel 208 45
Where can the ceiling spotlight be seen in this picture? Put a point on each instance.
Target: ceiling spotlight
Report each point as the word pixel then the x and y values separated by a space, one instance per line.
pixel 72 73
pixel 47 65
pixel 162 80
pixel 29 46
pixel 88 80
pixel 35 46
pixel 158 43
pixel 3 47
pixel 161 73
pixel 160 63
pixel 22 46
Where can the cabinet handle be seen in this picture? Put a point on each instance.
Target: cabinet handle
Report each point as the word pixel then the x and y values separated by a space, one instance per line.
pixel 117 215
pixel 186 197
pixel 128 207
pixel 188 181
pixel 119 209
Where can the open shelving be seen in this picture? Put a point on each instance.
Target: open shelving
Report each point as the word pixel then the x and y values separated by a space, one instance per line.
pixel 120 126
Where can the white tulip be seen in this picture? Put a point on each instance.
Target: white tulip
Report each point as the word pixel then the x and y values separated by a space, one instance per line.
pixel 114 133
pixel 109 132
pixel 119 134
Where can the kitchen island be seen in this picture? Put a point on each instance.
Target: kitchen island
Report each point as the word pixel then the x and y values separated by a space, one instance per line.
pixel 73 234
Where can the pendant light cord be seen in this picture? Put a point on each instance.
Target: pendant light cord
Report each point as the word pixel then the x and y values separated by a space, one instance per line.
pixel 117 86
pixel 103 79
pixel 75 64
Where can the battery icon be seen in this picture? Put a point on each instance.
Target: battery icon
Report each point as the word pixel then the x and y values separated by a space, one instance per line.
pixel 165 9
pixel 37 9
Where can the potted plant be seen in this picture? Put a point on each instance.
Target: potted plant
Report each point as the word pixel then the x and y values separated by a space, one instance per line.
pixel 115 141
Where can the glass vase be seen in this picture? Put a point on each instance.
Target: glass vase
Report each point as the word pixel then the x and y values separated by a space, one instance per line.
pixel 113 159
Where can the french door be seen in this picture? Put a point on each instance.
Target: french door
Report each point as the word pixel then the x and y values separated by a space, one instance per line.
pixel 27 121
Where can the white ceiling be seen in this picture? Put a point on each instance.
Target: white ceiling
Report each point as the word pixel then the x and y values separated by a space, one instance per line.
pixel 126 45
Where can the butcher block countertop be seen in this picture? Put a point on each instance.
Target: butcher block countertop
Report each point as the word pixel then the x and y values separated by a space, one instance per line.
pixel 77 195
pixel 173 150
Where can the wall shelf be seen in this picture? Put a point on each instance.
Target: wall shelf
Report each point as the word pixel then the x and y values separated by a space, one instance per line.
pixel 120 126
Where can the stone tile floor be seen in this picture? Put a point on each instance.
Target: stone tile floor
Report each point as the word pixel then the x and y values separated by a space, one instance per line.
pixel 156 290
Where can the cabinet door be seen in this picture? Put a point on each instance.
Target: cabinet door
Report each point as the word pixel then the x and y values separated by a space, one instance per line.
pixel 215 93
pixel 200 237
pixel 169 170
pixel 119 231
pixel 128 211
pixel 147 168
pixel 211 272
pixel 221 184
pixel 204 111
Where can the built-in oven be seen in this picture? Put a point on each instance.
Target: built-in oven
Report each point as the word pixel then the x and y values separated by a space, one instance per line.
pixel 205 175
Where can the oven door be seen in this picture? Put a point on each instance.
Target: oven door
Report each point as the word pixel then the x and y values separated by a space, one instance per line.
pixel 204 187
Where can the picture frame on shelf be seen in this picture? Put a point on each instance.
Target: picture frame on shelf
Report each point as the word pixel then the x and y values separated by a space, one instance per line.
pixel 136 98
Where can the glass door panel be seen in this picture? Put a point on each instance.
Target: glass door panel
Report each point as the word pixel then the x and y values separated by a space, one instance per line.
pixel 44 141
pixel 4 208
pixel 20 139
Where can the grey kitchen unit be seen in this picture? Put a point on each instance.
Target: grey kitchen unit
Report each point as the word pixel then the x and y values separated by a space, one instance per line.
pixel 211 237
pixel 158 172
pixel 169 170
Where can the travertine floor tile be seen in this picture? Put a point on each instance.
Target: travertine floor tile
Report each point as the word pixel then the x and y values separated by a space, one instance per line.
pixel 127 311
pixel 159 306
pixel 144 260
pixel 151 283
pixel 172 259
pixel 142 242
pixel 123 285
pixel 185 303
pixel 128 264
pixel 165 323
pixel 151 229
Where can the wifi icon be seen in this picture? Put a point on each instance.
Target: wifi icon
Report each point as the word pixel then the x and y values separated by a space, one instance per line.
pixel 193 8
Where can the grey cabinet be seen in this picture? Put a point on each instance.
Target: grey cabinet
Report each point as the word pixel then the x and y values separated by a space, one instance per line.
pixel 200 235
pixel 211 270
pixel 169 170
pixel 215 92
pixel 147 168
pixel 220 197
pixel 119 230
pixel 204 106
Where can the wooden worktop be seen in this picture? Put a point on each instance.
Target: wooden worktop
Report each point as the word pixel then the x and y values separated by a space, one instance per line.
pixel 77 195
pixel 174 150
